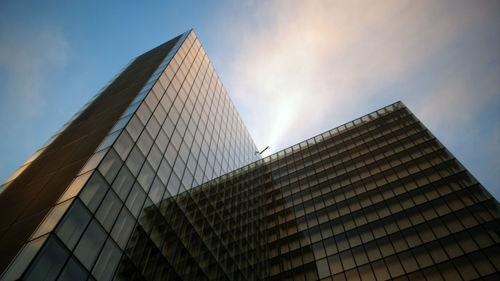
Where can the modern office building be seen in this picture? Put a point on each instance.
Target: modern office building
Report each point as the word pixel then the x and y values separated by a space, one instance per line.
pixel 157 178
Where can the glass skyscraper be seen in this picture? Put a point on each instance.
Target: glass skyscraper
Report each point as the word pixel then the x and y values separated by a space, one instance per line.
pixel 157 178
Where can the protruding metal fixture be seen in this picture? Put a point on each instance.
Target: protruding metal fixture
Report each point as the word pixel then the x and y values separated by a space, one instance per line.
pixel 257 152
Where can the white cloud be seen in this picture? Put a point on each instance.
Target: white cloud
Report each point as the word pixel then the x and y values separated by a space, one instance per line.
pixel 28 57
pixel 309 64
pixel 454 105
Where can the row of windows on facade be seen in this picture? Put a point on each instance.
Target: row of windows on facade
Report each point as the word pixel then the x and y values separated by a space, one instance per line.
pixel 343 157
pixel 467 218
pixel 321 207
pixel 272 159
pixel 110 165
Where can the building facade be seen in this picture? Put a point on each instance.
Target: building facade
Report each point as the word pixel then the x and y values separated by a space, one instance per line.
pixel 157 178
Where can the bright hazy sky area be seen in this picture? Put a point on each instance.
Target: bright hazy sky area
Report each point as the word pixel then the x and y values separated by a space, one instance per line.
pixel 294 69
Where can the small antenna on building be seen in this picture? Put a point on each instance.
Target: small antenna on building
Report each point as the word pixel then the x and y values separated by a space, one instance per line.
pixel 257 152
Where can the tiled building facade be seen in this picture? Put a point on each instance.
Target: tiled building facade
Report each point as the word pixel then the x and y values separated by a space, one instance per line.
pixel 375 199
pixel 174 128
pixel 168 186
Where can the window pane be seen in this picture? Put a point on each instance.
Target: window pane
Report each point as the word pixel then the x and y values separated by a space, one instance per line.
pixel 107 262
pixel 319 250
pixel 436 251
pixel 335 265
pixel 422 257
pixel 94 191
pixel 110 165
pixel 380 270
pixel 134 160
pixel 123 227
pixel 123 182
pixel 89 246
pixel 146 176
pixel 109 210
pixel 155 157
pixel 153 127
pixel 164 171
pixel 136 199
pixel 49 262
pixel 156 192
pixel 173 185
pixel 408 261
pixel 187 179
pixel 347 260
pixel 123 145
pixel 465 268
pixel 366 273
pixel 394 266
pixel 71 227
pixel 144 143
pixel 134 127
pixel 448 270
pixel 330 246
pixel 360 255
pixel 162 140
pixel 323 269
pixel 73 271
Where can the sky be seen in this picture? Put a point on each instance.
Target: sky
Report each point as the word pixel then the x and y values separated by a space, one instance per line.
pixel 294 69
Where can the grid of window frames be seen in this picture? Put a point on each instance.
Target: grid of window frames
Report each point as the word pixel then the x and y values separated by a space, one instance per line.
pixel 378 198
pixel 73 143
pixel 206 233
pixel 375 199
pixel 182 130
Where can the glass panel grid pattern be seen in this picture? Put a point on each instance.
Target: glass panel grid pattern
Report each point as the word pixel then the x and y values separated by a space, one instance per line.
pixel 378 198
pixel 175 191
pixel 182 132
pixel 33 201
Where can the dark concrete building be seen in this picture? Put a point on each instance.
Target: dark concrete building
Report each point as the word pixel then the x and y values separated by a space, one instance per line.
pixel 157 178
